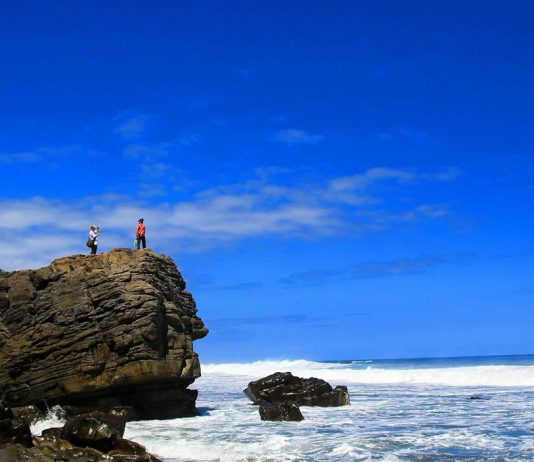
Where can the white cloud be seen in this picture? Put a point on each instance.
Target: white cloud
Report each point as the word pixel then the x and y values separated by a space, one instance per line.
pixel 374 175
pixel 37 230
pixel 293 136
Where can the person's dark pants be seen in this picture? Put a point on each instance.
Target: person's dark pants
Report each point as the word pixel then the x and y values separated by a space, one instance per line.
pixel 93 249
pixel 141 240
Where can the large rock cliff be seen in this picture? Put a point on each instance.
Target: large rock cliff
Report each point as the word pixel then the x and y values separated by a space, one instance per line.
pixel 96 332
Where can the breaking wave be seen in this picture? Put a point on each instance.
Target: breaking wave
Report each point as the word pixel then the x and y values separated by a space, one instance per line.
pixel 487 375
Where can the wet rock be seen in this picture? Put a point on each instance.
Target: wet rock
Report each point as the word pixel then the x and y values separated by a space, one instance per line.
pixel 51 442
pixel 126 450
pixel 140 458
pixel 93 437
pixel 15 453
pixel 54 432
pixel 96 430
pixel 81 455
pixel 15 431
pixel 284 386
pixel 5 412
pixel 95 333
pixel 28 414
pixel 127 447
pixel 282 411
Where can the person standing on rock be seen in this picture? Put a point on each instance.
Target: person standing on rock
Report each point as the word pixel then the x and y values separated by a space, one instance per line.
pixel 140 234
pixel 92 242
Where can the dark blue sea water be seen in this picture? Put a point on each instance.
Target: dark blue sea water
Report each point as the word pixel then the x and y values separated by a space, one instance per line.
pixel 409 410
pixel 421 363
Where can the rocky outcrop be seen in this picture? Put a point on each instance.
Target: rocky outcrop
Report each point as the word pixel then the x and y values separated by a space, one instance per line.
pixel 284 411
pixel 98 332
pixel 284 386
pixel 93 437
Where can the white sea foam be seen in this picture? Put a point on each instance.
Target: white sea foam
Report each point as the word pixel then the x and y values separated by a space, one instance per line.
pixel 494 376
pixel 396 415
pixel 54 418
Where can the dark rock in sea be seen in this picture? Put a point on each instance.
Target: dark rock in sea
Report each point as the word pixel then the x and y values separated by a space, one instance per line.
pixel 100 332
pixel 96 430
pixel 282 411
pixel 284 386
pixel 94 437
pixel 477 397
pixel 129 451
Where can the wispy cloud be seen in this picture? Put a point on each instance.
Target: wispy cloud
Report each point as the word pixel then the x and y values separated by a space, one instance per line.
pixel 258 208
pixel 154 151
pixel 131 127
pixel 293 136
pixel 48 153
pixel 371 269
pixel 358 189
pixel 381 174
pixel 9 158
pixel 406 134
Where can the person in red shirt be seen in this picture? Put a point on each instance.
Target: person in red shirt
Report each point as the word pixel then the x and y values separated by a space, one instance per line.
pixel 140 234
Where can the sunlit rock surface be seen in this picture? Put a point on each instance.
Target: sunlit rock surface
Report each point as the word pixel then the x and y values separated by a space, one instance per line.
pixel 97 332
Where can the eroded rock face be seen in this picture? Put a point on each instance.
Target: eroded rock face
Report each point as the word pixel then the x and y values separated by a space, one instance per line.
pixel 99 332
pixel 284 386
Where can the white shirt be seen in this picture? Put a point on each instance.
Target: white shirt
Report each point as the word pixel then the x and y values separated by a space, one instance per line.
pixel 93 235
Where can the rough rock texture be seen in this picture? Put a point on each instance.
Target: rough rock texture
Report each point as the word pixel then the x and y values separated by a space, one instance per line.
pixel 28 414
pixel 284 386
pixel 95 429
pixel 93 437
pixel 284 411
pixel 13 430
pixel 97 332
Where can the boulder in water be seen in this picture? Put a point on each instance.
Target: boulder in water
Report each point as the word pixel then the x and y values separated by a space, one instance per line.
pixel 284 386
pixel 282 411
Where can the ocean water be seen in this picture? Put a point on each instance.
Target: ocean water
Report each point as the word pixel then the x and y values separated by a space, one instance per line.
pixel 401 410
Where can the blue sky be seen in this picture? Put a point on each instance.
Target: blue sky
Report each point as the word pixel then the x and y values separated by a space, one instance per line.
pixel 334 179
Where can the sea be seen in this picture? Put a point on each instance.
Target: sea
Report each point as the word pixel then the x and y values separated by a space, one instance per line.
pixel 403 410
